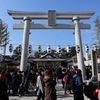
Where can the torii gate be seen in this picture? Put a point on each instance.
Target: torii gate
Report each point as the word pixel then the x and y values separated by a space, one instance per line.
pixel 51 16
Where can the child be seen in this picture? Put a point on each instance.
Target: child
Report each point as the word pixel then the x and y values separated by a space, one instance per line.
pixel 98 91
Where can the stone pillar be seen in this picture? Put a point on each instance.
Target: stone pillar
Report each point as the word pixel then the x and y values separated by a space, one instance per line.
pixel 79 42
pixel 25 42
pixel 94 63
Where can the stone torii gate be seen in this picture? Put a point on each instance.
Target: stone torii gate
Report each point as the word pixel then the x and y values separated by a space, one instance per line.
pixel 51 16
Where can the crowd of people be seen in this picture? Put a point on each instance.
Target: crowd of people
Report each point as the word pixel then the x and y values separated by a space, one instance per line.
pixel 45 79
pixel 18 83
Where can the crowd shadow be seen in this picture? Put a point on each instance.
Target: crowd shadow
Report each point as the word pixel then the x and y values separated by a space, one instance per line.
pixel 59 92
pixel 31 93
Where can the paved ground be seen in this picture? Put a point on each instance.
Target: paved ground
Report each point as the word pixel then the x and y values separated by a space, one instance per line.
pixel 32 96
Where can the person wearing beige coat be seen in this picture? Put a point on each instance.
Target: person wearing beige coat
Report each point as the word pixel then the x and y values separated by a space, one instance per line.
pixel 40 85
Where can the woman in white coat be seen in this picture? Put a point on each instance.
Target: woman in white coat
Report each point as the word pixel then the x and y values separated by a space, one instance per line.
pixel 40 85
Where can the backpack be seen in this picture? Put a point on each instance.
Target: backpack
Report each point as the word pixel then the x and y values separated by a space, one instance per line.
pixel 72 83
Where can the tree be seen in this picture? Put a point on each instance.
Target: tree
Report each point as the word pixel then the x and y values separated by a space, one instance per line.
pixel 15 51
pixel 97 31
pixel 37 55
pixel 4 35
pixel 65 54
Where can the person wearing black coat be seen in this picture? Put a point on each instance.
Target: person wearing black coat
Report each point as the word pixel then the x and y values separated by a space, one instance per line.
pixel 8 79
pixel 3 87
pixel 14 82
pixel 91 89
pixel 24 84
pixel 21 87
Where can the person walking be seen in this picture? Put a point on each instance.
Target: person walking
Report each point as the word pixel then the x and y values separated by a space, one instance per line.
pixel 27 82
pixel 78 88
pixel 21 87
pixel 62 76
pixel 98 91
pixel 67 82
pixel 49 83
pixel 14 83
pixel 40 86
pixel 3 87
pixel 8 79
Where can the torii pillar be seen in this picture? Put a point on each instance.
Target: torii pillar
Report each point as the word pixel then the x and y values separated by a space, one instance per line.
pixel 25 42
pixel 80 57
pixel 51 16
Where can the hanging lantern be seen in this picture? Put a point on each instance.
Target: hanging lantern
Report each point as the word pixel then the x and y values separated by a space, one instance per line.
pixel 49 49
pixel 39 49
pixel 30 49
pixel 95 48
pixel 86 48
pixel 77 48
pixel 10 48
pixel 59 50
pixel 68 49
pixel 19 48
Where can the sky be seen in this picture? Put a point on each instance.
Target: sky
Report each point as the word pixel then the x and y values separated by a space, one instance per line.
pixel 48 37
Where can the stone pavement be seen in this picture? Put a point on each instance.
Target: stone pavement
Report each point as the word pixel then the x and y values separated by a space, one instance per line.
pixel 60 95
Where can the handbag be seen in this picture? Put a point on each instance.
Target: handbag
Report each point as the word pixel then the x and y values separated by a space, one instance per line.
pixel 64 79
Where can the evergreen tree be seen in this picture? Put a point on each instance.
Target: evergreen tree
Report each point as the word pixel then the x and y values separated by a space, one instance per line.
pixel 96 31
pixel 4 35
